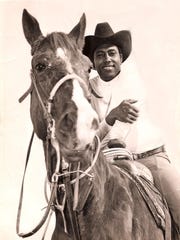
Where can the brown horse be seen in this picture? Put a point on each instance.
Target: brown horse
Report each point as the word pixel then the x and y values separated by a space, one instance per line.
pixel 93 199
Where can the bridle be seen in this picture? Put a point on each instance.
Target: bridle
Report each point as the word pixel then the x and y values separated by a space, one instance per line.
pixel 54 185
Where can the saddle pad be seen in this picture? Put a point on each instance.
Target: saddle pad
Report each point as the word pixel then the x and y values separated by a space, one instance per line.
pixel 114 154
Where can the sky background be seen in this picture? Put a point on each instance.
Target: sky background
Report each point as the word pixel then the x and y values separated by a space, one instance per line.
pixel 155 32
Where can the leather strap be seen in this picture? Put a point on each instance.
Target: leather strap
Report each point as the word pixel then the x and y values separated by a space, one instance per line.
pixel 45 216
pixel 149 153
pixel 72 214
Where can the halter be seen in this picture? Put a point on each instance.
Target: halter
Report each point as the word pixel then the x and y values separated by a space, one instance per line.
pixel 56 175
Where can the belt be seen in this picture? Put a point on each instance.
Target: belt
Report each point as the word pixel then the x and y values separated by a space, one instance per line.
pixel 148 153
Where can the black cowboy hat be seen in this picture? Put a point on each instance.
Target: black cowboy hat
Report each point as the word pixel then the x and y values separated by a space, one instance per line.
pixel 104 34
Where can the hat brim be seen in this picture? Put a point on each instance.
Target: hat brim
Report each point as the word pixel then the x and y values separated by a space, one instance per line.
pixel 121 39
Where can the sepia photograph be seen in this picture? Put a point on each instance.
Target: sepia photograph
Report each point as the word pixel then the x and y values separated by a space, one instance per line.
pixel 90 120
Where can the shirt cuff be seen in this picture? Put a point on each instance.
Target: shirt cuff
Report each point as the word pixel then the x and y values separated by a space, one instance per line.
pixel 103 130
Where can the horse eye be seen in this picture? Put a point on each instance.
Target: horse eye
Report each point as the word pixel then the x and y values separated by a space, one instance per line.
pixel 40 67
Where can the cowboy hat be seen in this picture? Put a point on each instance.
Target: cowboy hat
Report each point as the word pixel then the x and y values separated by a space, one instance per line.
pixel 104 34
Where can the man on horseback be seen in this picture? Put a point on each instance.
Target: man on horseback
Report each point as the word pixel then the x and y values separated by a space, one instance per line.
pixel 119 103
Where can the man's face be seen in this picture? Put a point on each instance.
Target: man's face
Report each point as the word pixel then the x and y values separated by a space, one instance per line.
pixel 107 61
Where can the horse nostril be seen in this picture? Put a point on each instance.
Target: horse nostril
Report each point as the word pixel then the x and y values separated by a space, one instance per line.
pixel 67 122
pixel 95 124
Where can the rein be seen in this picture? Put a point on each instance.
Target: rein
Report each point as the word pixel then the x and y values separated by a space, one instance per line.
pixel 56 175
pixel 52 197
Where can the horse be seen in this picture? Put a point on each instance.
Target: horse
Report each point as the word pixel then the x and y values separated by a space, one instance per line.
pixel 92 198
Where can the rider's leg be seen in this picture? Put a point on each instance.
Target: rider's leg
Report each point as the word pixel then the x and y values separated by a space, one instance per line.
pixel 167 180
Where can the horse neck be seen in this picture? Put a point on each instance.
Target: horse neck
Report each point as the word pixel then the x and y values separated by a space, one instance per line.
pixel 102 172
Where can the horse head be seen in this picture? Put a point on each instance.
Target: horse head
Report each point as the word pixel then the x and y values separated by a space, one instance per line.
pixel 60 77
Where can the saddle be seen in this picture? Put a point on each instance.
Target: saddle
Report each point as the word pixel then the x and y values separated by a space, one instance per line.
pixel 120 157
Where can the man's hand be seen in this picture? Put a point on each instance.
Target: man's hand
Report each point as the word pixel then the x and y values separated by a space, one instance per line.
pixel 124 112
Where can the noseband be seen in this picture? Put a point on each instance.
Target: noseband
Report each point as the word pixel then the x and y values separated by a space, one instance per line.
pixel 51 137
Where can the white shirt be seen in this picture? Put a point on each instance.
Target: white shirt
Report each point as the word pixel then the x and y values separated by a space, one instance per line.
pixel 140 136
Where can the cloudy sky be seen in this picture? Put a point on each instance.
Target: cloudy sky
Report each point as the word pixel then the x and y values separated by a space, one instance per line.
pixel 156 51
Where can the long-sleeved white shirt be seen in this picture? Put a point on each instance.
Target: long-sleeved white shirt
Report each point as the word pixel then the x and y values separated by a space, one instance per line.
pixel 140 136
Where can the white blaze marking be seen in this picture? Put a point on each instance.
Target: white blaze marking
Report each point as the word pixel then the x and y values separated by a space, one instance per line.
pixel 61 54
pixel 85 114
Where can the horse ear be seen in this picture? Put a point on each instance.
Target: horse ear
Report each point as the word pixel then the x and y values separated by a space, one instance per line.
pixel 78 32
pixel 31 27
